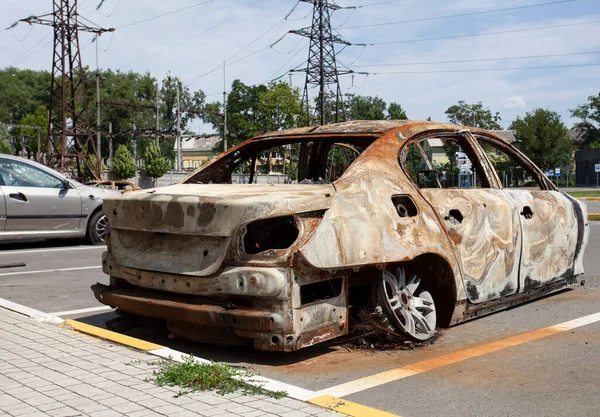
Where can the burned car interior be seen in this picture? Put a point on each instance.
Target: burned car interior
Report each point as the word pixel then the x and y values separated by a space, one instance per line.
pixel 311 159
pixel 367 220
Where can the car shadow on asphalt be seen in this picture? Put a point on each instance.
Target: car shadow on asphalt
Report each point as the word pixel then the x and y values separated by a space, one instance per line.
pixel 233 355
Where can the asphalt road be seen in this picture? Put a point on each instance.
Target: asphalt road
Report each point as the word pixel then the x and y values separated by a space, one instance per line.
pixel 555 375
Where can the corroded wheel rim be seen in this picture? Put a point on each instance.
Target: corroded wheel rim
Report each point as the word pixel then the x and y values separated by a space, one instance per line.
pixel 408 306
pixel 102 229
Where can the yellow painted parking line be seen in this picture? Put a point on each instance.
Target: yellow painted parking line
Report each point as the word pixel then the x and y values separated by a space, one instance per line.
pixel 349 408
pixel 593 216
pixel 109 335
pixel 455 357
pixel 592 199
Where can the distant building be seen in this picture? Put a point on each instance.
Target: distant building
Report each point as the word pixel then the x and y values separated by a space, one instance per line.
pixel 196 151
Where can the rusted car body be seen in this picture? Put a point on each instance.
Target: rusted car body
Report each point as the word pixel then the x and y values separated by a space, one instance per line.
pixel 279 266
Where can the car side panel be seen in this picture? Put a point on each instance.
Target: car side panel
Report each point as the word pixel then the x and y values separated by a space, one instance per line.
pixel 550 236
pixel 362 226
pixel 487 240
pixel 37 208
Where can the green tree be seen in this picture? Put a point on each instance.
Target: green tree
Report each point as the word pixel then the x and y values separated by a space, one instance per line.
pixel 4 140
pixel 473 115
pixel 90 169
pixel 22 92
pixel 252 110
pixel 123 165
pixel 543 138
pixel 278 107
pixel 38 118
pixel 364 107
pixel 589 121
pixel 396 112
pixel 155 164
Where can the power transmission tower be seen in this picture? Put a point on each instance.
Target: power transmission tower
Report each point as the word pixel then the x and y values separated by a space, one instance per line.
pixel 69 131
pixel 321 67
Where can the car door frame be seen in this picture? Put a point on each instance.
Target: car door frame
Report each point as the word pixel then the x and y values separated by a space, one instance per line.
pixel 489 224
pixel 553 224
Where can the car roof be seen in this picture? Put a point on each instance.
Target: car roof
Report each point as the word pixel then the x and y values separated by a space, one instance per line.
pixel 374 127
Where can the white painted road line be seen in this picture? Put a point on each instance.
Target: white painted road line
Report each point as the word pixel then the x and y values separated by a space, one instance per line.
pixel 81 311
pixel 25 251
pixel 43 271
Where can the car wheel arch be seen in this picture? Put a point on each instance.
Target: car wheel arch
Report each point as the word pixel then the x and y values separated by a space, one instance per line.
pixel 439 278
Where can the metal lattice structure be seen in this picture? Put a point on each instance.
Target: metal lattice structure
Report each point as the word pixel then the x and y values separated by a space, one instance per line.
pixel 321 67
pixel 70 142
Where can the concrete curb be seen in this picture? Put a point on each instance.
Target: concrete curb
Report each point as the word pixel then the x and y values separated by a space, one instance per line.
pixel 587 198
pixel 338 405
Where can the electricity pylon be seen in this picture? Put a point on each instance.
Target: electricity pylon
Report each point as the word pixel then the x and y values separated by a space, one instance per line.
pixel 321 67
pixel 69 131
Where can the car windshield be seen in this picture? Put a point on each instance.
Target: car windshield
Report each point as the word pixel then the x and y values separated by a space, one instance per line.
pixel 304 160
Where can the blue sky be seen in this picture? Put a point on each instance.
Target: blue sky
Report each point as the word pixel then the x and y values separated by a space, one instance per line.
pixel 195 41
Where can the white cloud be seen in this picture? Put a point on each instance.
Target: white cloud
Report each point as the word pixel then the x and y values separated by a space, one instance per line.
pixel 515 102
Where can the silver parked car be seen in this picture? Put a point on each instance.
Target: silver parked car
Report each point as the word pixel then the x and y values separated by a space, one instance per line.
pixel 37 202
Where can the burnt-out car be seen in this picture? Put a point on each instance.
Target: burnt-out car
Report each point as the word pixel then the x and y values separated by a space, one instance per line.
pixel 426 224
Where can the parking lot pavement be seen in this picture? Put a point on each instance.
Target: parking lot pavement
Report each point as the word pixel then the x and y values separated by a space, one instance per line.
pixel 560 366
pixel 50 371
pixel 56 278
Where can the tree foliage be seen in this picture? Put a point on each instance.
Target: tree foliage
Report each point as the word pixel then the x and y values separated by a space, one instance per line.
pixel 24 100
pixel 123 165
pixel 543 138
pixel 155 164
pixel 589 121
pixel 396 112
pixel 4 140
pixel 90 169
pixel 364 107
pixel 474 115
pixel 256 109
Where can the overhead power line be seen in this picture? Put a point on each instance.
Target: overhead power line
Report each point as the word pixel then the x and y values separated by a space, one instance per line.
pixel 228 60
pixel 165 14
pixel 379 3
pixel 485 69
pixel 425 19
pixel 28 52
pixel 194 36
pixel 460 61
pixel 485 33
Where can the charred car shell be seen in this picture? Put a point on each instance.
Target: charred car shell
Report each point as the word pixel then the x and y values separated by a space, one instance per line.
pixel 276 265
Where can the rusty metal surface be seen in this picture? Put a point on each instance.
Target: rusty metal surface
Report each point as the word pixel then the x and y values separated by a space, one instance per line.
pixel 188 239
pixel 156 305
pixel 487 242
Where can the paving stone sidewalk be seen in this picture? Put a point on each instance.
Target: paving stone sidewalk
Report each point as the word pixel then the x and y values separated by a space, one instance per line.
pixel 50 371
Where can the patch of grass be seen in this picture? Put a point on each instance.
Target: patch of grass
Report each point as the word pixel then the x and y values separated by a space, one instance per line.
pixel 196 376
pixel 587 193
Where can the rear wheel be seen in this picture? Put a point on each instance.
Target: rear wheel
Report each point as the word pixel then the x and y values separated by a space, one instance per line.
pixel 97 229
pixel 408 306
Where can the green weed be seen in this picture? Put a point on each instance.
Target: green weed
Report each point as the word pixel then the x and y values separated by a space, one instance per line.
pixel 192 376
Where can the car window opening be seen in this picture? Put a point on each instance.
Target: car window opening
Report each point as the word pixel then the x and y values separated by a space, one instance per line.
pixel 297 160
pixel 443 162
pixel 512 171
